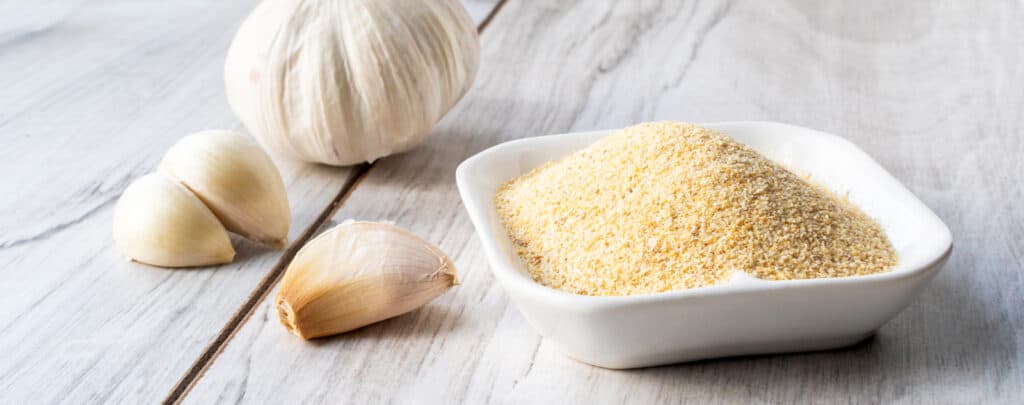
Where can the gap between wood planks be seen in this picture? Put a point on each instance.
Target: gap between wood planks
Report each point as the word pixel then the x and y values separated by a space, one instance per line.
pixel 242 315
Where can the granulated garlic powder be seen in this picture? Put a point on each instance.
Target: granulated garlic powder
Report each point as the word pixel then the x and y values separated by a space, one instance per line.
pixel 667 206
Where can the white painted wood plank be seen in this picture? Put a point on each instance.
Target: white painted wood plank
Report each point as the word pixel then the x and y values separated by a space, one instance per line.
pixel 930 89
pixel 480 9
pixel 94 94
pixel 91 95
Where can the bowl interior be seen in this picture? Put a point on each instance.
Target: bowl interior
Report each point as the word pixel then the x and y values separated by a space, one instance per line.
pixel 916 233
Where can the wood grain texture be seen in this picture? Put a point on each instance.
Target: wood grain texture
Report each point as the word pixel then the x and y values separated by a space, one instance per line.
pixel 931 90
pixel 92 95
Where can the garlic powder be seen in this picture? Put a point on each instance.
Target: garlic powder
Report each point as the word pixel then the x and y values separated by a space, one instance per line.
pixel 667 206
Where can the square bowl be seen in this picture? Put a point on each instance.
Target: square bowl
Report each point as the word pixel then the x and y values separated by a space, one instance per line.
pixel 743 316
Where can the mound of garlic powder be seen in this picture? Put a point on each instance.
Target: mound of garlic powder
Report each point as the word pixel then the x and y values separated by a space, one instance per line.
pixel 668 206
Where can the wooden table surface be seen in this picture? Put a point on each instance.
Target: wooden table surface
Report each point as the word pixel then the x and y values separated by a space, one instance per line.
pixel 93 92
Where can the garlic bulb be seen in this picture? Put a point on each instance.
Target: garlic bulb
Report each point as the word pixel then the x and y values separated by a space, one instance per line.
pixel 359 273
pixel 159 222
pixel 349 81
pixel 237 180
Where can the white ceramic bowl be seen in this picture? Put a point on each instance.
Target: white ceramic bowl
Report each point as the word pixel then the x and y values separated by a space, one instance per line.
pixel 741 317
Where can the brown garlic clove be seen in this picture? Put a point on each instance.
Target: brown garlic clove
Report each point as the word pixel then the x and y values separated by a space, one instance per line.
pixel 358 273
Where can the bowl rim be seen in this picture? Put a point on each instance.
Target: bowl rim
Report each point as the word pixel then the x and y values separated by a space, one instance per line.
pixel 511 278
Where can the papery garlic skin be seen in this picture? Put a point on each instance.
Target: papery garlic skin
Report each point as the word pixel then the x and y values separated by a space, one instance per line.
pixel 358 273
pixel 349 81
pixel 236 179
pixel 158 221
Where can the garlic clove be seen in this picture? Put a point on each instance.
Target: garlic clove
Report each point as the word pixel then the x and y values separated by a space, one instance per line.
pixel 233 176
pixel 358 273
pixel 159 222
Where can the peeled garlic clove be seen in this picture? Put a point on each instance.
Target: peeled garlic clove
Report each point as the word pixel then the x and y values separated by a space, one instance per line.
pixel 237 180
pixel 349 81
pixel 159 222
pixel 358 273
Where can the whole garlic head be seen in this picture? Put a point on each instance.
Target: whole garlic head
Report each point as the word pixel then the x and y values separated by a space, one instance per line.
pixel 349 81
